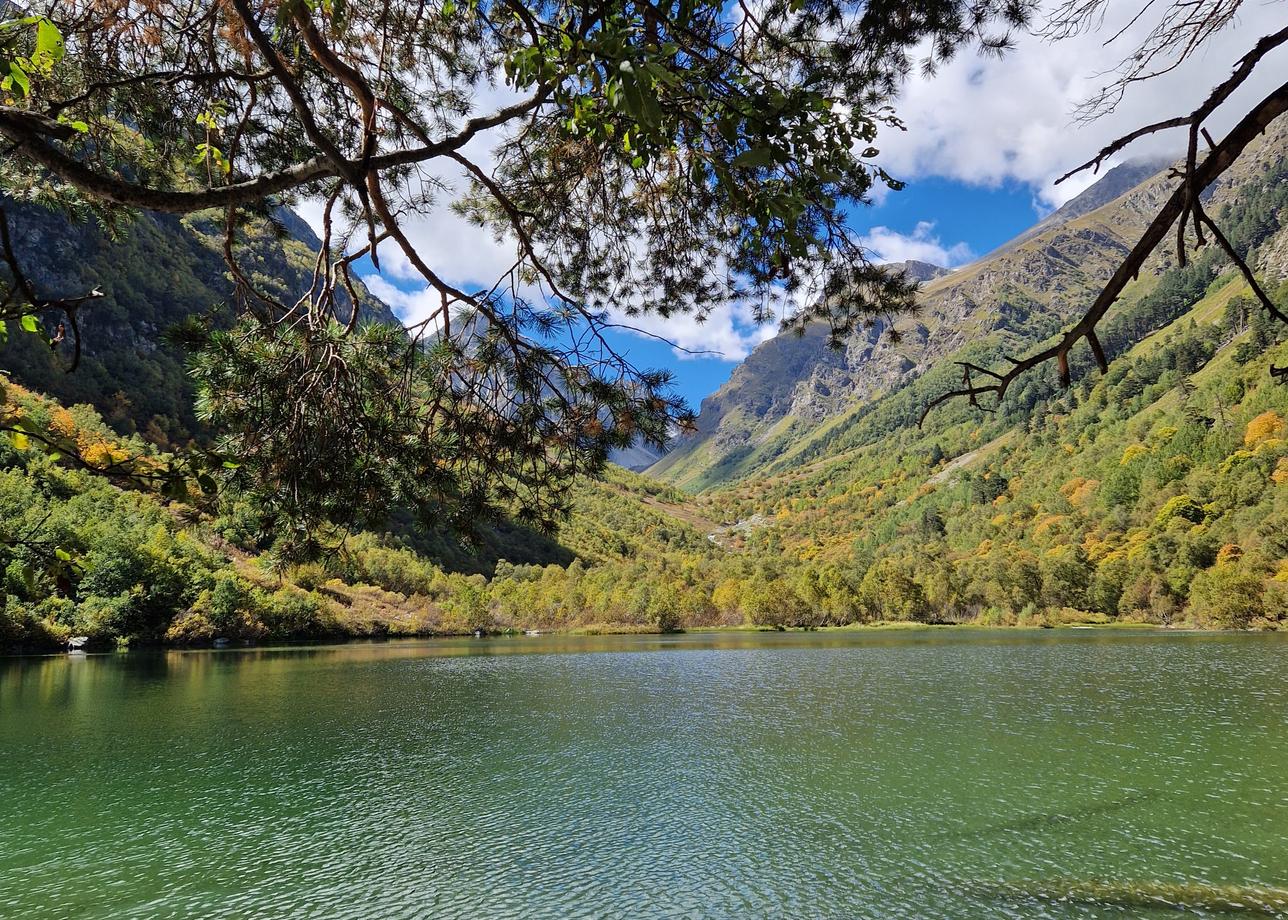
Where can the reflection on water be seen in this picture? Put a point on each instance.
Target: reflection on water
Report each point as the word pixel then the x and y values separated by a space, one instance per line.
pixel 872 774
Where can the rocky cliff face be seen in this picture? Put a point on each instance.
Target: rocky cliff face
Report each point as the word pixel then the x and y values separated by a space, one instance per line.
pixel 792 375
pixel 1025 290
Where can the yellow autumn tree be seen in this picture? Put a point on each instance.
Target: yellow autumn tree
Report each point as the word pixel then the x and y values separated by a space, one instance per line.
pixel 1267 425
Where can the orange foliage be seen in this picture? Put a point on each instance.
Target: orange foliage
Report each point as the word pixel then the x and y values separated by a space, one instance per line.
pixel 1078 490
pixel 1231 552
pixel 1047 523
pixel 1265 426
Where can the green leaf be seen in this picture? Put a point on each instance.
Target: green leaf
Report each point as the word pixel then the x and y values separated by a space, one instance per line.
pixel 652 112
pixel 49 42
pixel 633 99
pixel 63 554
pixel 28 323
pixel 4 332
pixel 19 22
pixel 19 78
pixel 756 156
pixel 20 440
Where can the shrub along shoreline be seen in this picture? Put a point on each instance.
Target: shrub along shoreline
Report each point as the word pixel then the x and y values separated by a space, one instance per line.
pixel 54 645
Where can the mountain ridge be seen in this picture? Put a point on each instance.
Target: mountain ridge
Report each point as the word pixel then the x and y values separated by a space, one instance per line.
pixel 785 393
pixel 156 272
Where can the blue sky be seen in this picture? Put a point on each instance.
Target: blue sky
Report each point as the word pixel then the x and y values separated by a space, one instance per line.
pixel 984 141
pixel 982 218
pixel 944 221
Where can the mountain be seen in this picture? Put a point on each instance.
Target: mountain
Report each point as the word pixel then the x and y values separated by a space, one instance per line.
pixel 790 376
pixel 1113 184
pixel 156 271
pixel 920 271
pixel 794 389
pixel 1156 493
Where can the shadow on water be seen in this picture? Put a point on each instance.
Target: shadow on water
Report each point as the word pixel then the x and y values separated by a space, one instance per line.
pixel 1205 900
pixel 1045 820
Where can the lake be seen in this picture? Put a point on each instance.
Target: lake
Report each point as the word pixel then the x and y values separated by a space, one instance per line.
pixel 922 774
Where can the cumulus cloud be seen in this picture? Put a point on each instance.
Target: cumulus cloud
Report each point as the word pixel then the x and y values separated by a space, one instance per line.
pixel 921 244
pixel 411 306
pixel 982 122
pixel 462 253
pixel 729 332
pixel 988 121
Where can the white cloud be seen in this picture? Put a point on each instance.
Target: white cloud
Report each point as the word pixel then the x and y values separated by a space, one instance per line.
pixel 412 306
pixel 988 121
pixel 978 121
pixel 922 244
pixel 462 253
pixel 729 332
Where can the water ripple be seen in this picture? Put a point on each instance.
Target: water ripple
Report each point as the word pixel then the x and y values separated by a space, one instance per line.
pixel 948 776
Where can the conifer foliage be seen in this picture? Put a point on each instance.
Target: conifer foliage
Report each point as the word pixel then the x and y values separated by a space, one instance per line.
pixel 650 157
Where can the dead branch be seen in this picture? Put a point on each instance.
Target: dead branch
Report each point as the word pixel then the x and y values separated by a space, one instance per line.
pixel 1222 156
pixel 1242 70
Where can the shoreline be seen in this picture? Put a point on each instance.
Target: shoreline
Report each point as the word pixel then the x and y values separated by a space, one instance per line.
pixel 590 630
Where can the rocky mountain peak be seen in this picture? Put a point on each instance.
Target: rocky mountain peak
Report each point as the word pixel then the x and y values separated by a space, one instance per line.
pixel 792 384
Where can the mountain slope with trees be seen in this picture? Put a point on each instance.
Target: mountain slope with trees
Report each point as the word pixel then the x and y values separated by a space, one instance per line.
pixel 1018 295
pixel 1157 493
pixel 157 273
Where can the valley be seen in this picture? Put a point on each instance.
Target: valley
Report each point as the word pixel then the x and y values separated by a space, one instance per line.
pixel 808 495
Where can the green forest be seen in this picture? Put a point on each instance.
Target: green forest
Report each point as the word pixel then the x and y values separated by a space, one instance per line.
pixel 231 451
pixel 1157 494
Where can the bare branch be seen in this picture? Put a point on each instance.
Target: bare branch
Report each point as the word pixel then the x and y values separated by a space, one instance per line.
pixel 1242 70
pixel 1223 155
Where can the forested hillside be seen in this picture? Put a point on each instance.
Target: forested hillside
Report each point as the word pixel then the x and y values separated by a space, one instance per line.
pixel 156 273
pixel 786 401
pixel 1157 493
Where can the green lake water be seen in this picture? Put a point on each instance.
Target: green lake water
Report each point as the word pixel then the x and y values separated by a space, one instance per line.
pixel 937 774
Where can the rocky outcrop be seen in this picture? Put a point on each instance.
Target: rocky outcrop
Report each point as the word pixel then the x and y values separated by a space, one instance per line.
pixel 1274 258
pixel 1036 282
